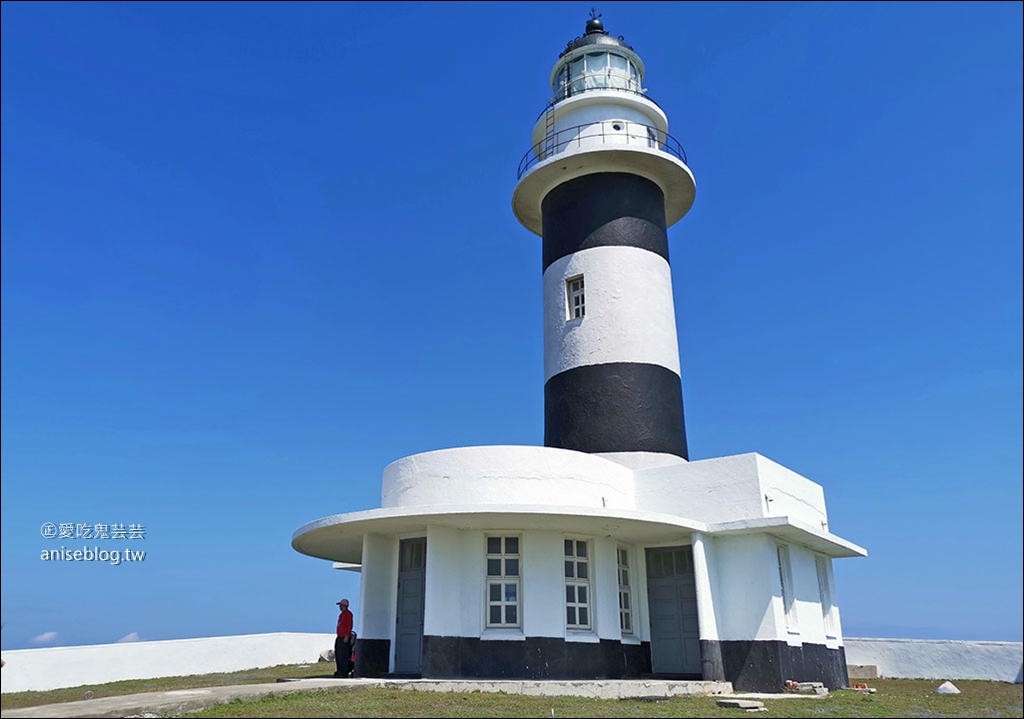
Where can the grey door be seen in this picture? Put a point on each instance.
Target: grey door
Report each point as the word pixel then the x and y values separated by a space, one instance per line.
pixel 672 599
pixel 412 565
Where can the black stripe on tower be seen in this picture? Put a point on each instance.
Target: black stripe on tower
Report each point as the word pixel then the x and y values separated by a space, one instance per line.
pixel 615 407
pixel 604 209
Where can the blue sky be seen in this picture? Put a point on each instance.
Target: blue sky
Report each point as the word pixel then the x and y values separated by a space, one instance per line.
pixel 252 253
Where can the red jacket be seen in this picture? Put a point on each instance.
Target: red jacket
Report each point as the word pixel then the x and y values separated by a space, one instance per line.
pixel 345 623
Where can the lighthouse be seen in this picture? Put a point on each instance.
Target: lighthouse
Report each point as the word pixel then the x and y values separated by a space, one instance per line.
pixel 608 552
pixel 601 185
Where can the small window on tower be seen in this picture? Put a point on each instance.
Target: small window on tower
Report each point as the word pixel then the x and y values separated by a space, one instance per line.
pixel 575 300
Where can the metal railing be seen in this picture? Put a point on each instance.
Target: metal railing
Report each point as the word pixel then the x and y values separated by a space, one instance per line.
pixel 609 133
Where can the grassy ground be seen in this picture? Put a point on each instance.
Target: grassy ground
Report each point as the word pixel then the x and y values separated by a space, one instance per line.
pixel 895 698
pixel 16 700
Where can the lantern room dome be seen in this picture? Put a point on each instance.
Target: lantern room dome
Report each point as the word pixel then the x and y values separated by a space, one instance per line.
pixel 596 61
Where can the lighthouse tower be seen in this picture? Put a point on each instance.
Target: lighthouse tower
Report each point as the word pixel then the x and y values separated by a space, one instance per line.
pixel 602 184
pixel 606 553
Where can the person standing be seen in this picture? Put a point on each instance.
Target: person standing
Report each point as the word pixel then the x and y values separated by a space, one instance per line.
pixel 343 643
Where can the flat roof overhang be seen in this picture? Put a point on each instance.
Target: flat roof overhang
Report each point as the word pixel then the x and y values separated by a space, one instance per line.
pixel 339 538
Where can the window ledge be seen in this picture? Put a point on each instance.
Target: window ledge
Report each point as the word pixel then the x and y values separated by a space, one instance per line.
pixel 585 636
pixel 502 635
pixel 630 639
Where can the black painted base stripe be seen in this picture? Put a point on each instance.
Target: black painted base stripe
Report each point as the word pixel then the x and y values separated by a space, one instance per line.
pixel 372 657
pixel 764 666
pixel 605 209
pixel 533 658
pixel 615 407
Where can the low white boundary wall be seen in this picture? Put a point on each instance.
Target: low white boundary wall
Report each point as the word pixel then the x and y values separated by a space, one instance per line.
pixel 59 667
pixel 938 659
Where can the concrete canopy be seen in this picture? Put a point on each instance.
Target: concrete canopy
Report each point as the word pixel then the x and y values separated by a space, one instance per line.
pixel 339 537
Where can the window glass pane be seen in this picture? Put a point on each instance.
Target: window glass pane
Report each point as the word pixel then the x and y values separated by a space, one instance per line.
pixel 511 567
pixel 495 614
pixel 625 600
pixel 510 615
pixel 511 592
pixel 568 547
pixel 570 615
pixel 584 619
pixel 576 68
pixel 619 63
pixel 627 623
pixel 494 592
pixel 597 61
pixel 624 580
pixel 581 592
pixel 568 570
pixel 511 545
pixel 581 570
pixel 494 545
pixel 581 549
pixel 493 567
pixel 570 593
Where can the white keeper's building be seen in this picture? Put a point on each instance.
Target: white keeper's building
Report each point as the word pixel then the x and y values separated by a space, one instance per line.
pixel 605 553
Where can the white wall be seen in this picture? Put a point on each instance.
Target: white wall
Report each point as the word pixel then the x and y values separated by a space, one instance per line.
pixel 455 586
pixel 723 489
pixel 808 598
pixel 452 587
pixel 790 494
pixel 507 475
pixel 938 659
pixel 745 579
pixel 378 588
pixel 59 667
pixel 543 584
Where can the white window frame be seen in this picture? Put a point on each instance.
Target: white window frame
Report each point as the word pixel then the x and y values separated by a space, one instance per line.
pixel 786 582
pixel 572 291
pixel 574 583
pixel 627 617
pixel 822 563
pixel 503 581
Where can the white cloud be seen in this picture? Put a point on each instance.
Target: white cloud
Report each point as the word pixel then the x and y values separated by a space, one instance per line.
pixel 45 637
pixel 133 637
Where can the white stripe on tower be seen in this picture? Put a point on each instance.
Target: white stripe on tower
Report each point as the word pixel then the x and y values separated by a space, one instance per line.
pixel 629 313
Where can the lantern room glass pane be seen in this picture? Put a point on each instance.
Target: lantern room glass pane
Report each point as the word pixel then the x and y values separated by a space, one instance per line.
pixel 576 76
